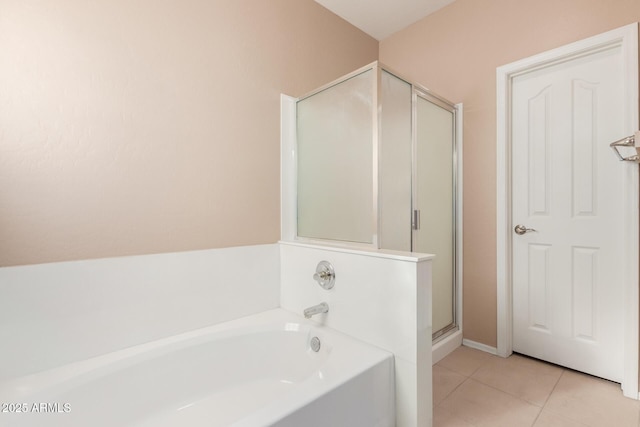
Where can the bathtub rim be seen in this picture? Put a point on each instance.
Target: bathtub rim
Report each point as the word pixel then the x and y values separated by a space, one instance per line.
pixel 19 388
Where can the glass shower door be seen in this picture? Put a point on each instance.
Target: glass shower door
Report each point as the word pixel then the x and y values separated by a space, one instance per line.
pixel 434 202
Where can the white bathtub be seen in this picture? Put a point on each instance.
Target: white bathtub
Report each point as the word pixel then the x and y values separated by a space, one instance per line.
pixel 254 371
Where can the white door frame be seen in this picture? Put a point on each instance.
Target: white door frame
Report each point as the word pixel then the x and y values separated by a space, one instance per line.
pixel 627 38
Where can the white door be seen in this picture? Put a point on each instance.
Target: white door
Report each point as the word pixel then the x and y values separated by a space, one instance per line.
pixel 568 274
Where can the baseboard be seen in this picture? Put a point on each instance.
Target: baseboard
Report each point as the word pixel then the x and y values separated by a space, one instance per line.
pixel 442 348
pixel 480 346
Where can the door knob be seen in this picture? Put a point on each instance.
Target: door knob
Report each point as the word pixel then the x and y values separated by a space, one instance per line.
pixel 521 229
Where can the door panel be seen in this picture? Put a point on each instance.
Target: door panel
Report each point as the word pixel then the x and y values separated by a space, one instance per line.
pixel 435 194
pixel 568 289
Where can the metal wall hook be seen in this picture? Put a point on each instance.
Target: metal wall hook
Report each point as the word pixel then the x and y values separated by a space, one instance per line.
pixel 325 275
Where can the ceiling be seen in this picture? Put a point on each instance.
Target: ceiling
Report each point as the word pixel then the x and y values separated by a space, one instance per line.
pixel 381 18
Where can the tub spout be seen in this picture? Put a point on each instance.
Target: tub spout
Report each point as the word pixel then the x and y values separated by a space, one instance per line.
pixel 323 307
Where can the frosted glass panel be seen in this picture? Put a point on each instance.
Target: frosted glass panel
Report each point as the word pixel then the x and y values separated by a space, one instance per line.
pixel 395 164
pixel 435 192
pixel 335 162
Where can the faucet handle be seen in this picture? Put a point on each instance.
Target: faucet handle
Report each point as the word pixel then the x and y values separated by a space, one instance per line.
pixel 325 275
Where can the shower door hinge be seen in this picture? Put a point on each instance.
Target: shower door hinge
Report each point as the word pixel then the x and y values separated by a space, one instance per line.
pixel 416 219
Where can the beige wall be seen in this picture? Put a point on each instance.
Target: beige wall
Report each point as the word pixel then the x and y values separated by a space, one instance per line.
pixel 455 52
pixel 131 127
pixel 145 127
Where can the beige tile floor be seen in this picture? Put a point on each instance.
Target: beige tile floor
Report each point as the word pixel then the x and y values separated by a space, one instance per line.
pixel 473 388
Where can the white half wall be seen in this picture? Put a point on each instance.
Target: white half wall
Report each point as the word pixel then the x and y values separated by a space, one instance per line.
pixel 380 297
pixel 54 314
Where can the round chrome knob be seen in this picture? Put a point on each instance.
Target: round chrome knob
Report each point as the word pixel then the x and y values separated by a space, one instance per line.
pixel 325 275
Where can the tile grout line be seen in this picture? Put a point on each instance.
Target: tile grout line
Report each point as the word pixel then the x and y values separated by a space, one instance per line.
pixel 549 396
pixel 455 388
pixel 537 417
pixel 554 387
pixel 508 393
pixel 539 405
pixel 512 394
pixel 467 377
pixel 449 395
pixel 498 390
pixel 562 416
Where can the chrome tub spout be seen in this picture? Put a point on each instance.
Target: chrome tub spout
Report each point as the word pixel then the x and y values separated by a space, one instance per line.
pixel 323 307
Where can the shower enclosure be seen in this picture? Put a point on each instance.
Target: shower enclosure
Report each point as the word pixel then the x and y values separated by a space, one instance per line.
pixel 377 165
